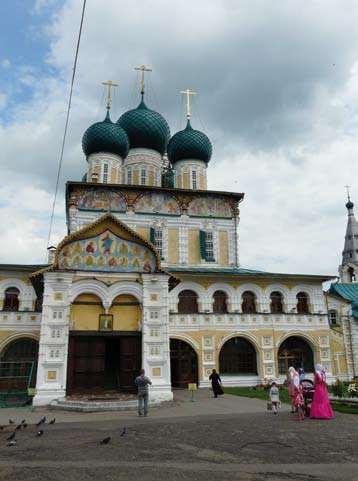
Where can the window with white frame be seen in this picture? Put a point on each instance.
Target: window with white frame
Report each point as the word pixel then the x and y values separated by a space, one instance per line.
pixel 143 177
pixel 209 244
pixel 333 317
pixel 105 173
pixel 158 241
pixel 194 179
pixel 129 177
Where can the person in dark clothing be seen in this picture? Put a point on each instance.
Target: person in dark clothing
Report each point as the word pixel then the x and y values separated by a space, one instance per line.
pixel 216 383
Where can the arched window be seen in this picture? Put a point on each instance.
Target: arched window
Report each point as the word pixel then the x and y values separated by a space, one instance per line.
pixel 296 352
pixel 238 356
pixel 302 303
pixel 351 273
pixel 188 302
pixel 276 305
pixel 11 301
pixel 248 305
pixel 220 302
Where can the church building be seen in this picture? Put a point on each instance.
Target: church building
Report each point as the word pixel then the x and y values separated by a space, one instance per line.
pixel 149 276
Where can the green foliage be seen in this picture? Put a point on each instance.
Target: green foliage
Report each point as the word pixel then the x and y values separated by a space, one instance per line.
pixel 338 388
pixel 253 392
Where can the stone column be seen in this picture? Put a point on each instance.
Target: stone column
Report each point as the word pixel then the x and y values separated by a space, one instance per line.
pixel 155 336
pixel 53 349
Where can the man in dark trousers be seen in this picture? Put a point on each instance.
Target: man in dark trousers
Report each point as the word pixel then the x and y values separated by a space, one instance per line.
pixel 142 382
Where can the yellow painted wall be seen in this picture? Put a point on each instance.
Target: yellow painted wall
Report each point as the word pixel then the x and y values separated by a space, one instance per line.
pixel 113 178
pixel 150 178
pixel 194 247
pixel 173 246
pixel 223 248
pixel 86 317
pixel 178 181
pixel 144 231
pixel 125 318
pixel 202 182
pixel 136 177
pixel 186 180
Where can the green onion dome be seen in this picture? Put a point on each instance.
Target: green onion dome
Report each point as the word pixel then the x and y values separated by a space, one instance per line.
pixel 145 128
pixel 105 136
pixel 189 144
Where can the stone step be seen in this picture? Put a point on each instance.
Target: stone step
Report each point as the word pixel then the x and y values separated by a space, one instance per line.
pixel 96 406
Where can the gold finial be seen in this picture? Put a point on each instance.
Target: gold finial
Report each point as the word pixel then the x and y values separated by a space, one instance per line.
pixel 110 84
pixel 348 193
pixel 143 68
pixel 187 92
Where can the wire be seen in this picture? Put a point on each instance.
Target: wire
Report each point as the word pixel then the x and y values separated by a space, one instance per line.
pixel 66 123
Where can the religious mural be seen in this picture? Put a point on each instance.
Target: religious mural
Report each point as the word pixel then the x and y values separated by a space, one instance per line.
pixel 209 207
pixel 102 200
pixel 107 252
pixel 155 203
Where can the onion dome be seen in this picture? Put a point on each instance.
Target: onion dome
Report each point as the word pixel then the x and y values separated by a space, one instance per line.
pixel 349 204
pixel 189 144
pixel 145 128
pixel 107 137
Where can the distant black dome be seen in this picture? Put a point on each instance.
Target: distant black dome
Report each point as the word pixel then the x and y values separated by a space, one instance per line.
pixel 349 205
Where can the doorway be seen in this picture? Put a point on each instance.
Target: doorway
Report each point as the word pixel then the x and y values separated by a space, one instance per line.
pixel 183 364
pixel 101 363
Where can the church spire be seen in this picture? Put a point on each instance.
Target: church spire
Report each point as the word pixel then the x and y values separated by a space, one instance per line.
pixel 349 268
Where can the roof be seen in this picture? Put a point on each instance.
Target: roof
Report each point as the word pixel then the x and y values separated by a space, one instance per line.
pixel 347 291
pixel 22 267
pixel 242 272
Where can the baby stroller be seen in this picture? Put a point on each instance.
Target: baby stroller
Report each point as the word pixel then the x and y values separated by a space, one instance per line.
pixel 307 393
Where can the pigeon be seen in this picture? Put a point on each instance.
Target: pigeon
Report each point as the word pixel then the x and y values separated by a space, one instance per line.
pixel 52 421
pixel 105 440
pixel 1 428
pixel 19 426
pixel 12 436
pixel 39 433
pixel 12 443
pixel 24 425
pixel 11 421
pixel 23 421
pixel 42 421
pixel 123 432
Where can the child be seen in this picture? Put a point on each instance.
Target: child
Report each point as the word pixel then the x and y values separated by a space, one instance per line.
pixel 274 396
pixel 299 403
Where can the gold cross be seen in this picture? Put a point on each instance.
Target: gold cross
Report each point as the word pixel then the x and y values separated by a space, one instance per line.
pixel 348 193
pixel 110 84
pixel 143 68
pixel 187 92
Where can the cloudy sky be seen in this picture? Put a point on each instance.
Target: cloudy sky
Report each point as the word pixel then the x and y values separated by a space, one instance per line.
pixel 277 94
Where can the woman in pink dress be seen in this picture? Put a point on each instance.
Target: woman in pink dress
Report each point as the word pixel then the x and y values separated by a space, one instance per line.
pixel 321 407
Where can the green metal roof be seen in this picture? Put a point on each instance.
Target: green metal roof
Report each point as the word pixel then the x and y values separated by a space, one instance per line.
pixel 145 128
pixel 347 291
pixel 189 144
pixel 239 271
pixel 105 136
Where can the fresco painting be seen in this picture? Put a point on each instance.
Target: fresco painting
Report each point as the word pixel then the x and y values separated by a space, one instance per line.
pixel 107 252
pixel 102 200
pixel 209 207
pixel 157 204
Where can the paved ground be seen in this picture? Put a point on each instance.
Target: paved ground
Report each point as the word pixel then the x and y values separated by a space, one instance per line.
pixel 229 438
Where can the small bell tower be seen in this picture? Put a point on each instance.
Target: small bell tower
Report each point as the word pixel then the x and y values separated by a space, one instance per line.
pixel 348 270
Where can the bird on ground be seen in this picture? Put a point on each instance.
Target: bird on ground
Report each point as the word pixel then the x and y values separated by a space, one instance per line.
pixel 1 428
pixel 105 440
pixel 12 443
pixel 11 421
pixel 42 421
pixel 123 432
pixel 19 426
pixel 23 421
pixel 24 425
pixel 12 436
pixel 52 421
pixel 39 433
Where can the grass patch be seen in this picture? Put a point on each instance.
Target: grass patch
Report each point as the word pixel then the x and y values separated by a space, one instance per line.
pixel 257 393
pixel 342 408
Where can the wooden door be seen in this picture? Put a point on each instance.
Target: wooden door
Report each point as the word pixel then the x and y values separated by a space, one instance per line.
pixel 183 364
pixel 86 365
pixel 130 360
